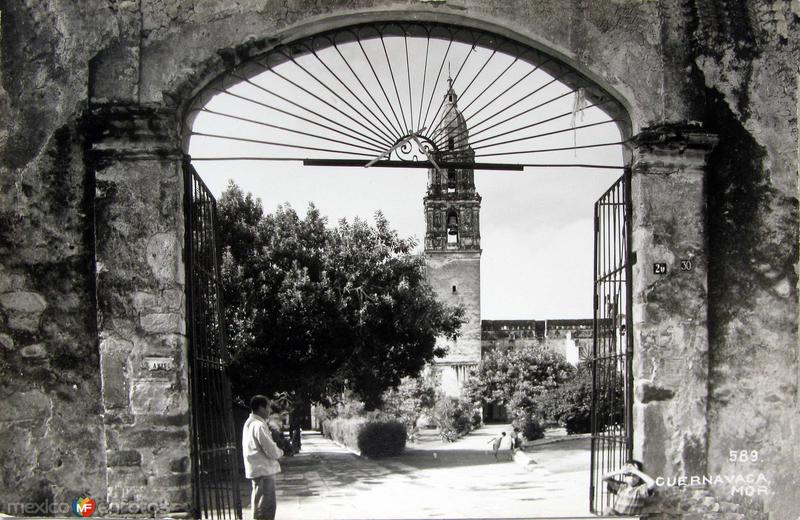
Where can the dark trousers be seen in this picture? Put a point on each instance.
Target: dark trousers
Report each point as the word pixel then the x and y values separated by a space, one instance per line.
pixel 263 498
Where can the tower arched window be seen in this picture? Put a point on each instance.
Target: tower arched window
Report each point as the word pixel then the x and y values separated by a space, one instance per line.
pixel 452 227
pixel 451 180
pixel 451 143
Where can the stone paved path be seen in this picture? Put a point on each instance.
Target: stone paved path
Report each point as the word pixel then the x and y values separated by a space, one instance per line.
pixel 433 480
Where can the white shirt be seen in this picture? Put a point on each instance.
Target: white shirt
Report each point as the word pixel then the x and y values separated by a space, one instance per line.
pixel 260 452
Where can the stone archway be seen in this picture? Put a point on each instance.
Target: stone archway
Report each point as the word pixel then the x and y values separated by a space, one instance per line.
pixel 149 135
pixel 160 323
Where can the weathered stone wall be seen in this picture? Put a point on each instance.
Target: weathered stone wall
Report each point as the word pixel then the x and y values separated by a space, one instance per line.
pixel 729 64
pixel 748 61
pixel 51 435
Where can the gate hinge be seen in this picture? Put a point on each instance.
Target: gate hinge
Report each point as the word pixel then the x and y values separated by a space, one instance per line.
pixel 632 258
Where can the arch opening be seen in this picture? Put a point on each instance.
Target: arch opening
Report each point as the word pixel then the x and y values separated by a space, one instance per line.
pixel 323 101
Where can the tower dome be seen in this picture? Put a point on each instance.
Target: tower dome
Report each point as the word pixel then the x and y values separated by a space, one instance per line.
pixel 453 126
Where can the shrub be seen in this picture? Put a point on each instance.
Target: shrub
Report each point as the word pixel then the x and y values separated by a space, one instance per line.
pixel 455 417
pixel 343 431
pixel 530 427
pixel 382 439
pixel 576 422
pixel 370 436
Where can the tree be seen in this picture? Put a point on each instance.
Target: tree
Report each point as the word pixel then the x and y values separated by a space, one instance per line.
pixel 413 397
pixel 518 378
pixel 571 403
pixel 314 310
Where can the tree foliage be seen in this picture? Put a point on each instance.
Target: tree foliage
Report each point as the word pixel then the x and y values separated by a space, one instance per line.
pixel 519 378
pixel 313 309
pixel 571 403
pixel 413 397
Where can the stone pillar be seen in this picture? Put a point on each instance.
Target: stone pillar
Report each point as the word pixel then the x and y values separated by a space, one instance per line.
pixel 141 306
pixel 670 306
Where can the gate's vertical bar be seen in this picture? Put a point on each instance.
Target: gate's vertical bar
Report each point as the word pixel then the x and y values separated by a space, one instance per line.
pixel 593 361
pixel 629 261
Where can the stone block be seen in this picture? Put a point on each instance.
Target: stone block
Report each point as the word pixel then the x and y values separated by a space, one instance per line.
pixel 30 405
pixel 28 322
pixel 124 458
pixel 125 476
pixel 144 302
pixel 23 301
pixel 35 351
pixel 113 361
pixel 157 398
pixel 168 481
pixel 173 299
pixel 180 465
pixel 6 341
pixel 162 323
pixel 163 256
pixel 144 437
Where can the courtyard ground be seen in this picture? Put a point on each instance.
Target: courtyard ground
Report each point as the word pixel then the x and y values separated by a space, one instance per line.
pixel 434 479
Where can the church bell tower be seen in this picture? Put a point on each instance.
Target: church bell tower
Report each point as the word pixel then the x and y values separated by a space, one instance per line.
pixel 453 241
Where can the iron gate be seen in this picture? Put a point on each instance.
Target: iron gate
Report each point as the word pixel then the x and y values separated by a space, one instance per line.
pixel 612 376
pixel 215 457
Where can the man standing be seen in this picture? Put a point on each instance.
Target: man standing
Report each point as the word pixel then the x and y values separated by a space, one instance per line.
pixel 260 458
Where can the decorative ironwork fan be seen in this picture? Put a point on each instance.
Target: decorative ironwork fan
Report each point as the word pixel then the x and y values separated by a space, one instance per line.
pixel 377 95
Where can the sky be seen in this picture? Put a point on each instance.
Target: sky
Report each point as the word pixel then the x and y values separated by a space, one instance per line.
pixel 536 225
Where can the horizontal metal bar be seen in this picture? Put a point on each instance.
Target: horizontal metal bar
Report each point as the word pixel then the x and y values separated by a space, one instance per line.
pixel 412 164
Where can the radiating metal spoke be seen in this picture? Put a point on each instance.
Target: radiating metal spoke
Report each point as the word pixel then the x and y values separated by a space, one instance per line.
pixel 537 123
pixel 519 114
pixel 277 127
pixel 461 68
pixel 310 121
pixel 380 85
pixel 394 84
pixel 566 148
pixel 408 77
pixel 383 120
pixel 436 81
pixel 318 98
pixel 537 136
pixel 514 104
pixel 385 138
pixel 287 145
pixel 424 77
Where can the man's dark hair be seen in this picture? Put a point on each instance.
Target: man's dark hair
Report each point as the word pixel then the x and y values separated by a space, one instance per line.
pixel 504 433
pixel 257 401
pixel 635 463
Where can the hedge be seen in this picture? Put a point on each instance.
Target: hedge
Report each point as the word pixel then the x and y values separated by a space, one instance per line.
pixel 382 439
pixel 371 438
pixel 343 431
